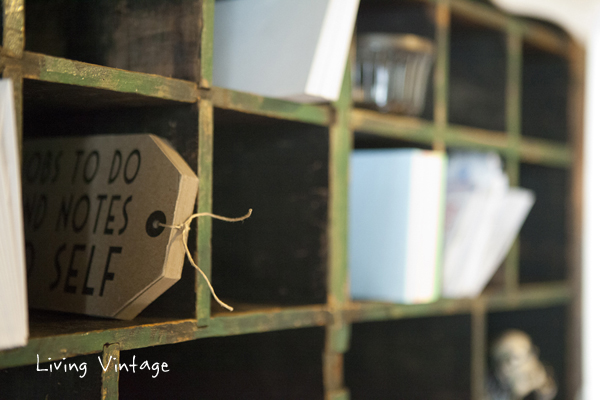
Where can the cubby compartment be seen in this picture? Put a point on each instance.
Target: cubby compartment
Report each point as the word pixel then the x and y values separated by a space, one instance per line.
pixel 273 365
pixel 477 75
pixel 547 328
pixel 544 241
pixel 159 37
pixel 57 110
pixel 393 17
pixel 280 170
pixel 73 378
pixel 369 141
pixel 544 95
pixel 421 359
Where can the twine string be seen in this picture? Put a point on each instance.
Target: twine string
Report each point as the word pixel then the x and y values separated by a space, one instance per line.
pixel 185 231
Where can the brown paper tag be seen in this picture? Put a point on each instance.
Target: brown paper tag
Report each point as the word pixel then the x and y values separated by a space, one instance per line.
pixel 91 210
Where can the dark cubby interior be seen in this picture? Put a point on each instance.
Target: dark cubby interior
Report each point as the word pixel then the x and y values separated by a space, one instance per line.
pixel 547 328
pixel 543 246
pixel 27 382
pixel 385 16
pixel 421 359
pixel 477 76
pixel 49 112
pixel 272 365
pixel 280 170
pixel 159 36
pixel 545 95
pixel 369 141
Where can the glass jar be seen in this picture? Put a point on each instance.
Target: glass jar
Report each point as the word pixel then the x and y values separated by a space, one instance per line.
pixel 391 72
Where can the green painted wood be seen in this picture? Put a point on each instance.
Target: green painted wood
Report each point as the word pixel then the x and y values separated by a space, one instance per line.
pixel 60 70
pixel 337 339
pixel 205 165
pixel 478 350
pixel 546 39
pixel 340 147
pixel 206 43
pixel 480 13
pixel 93 334
pixel 144 333
pixel 110 377
pixel 536 34
pixel 333 372
pixel 546 152
pixel 528 296
pixel 441 73
pixel 205 195
pixel 270 107
pixel 340 394
pixel 392 126
pixel 531 150
pixel 13 35
pixel 514 66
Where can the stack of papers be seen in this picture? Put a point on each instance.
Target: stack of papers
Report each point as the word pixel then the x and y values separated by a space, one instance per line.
pixel 396 224
pixel 14 328
pixel 483 218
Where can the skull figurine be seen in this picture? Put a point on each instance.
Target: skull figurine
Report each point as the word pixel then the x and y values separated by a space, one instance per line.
pixel 517 370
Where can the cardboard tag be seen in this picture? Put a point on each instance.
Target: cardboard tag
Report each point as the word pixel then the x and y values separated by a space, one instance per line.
pixel 91 211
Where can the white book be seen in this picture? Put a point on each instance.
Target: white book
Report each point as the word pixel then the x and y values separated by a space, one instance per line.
pixel 14 329
pixel 288 49
pixel 396 223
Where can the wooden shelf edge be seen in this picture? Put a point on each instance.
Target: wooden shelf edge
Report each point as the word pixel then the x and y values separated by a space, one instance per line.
pixel 392 126
pixel 269 107
pixel 269 319
pixel 60 346
pixel 545 152
pixel 533 33
pixel 529 149
pixel 529 296
pixel 60 70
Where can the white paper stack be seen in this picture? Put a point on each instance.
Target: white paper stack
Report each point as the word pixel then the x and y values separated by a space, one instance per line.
pixel 14 328
pixel 483 218
pixel 396 224
pixel 289 49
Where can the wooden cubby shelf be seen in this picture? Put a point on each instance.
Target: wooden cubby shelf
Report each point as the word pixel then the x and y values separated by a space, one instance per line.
pixel 60 70
pixel 56 334
pixel 69 80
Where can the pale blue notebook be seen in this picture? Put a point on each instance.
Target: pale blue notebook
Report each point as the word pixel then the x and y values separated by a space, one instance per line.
pixel 396 215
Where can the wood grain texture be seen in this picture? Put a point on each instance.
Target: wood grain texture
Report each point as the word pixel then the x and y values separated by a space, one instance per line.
pixel 269 107
pixel 58 70
pixel 13 27
pixel 205 196
pixel 110 377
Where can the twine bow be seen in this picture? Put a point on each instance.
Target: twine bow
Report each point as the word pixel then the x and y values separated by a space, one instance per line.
pixel 185 231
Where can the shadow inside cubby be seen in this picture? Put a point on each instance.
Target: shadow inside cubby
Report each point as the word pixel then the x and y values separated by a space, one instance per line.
pixel 422 358
pixel 370 141
pixel 279 169
pixel 477 87
pixel 159 37
pixel 392 17
pixel 57 110
pixel 80 380
pixel 547 328
pixel 545 95
pixel 271 365
pixel 543 239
